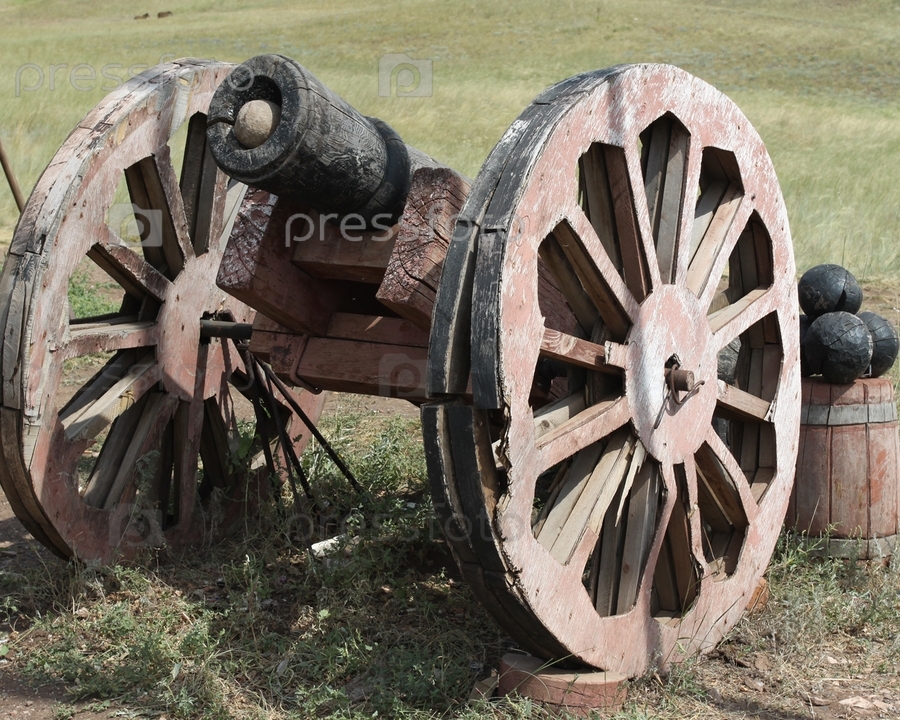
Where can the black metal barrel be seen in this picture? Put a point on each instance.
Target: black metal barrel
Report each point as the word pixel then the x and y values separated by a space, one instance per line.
pixel 322 151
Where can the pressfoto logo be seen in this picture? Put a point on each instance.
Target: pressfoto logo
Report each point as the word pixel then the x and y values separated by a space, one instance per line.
pixel 328 227
pixel 82 77
pixel 132 526
pixel 400 75
pixel 401 376
pixel 241 78
pixel 352 227
pixel 136 226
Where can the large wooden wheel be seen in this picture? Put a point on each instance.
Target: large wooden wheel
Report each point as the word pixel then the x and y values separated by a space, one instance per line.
pixel 620 295
pixel 108 412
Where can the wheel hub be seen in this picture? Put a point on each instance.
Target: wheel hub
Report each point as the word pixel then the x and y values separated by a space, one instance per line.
pixel 670 332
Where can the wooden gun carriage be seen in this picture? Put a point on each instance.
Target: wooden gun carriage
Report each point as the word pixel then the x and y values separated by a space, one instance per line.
pixel 600 329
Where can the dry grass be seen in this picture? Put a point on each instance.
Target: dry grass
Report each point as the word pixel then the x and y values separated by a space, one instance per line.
pixel 259 628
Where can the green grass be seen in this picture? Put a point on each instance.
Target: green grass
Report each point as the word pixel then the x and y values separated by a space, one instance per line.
pixel 818 81
pixel 260 628
pixel 257 627
pixel 88 298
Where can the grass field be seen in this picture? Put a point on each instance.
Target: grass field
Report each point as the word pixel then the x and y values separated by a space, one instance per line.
pixel 257 629
pixel 818 80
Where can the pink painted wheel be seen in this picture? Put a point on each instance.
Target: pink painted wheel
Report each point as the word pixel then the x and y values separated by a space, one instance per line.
pixel 121 427
pixel 616 489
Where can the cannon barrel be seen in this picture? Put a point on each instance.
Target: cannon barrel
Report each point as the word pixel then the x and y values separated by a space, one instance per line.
pixel 321 151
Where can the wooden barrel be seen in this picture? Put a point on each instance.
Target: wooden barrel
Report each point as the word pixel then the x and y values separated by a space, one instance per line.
pixel 848 465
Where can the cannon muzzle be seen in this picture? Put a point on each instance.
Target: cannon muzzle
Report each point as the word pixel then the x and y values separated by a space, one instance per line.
pixel 321 151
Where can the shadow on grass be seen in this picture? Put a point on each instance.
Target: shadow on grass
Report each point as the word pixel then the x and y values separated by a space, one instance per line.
pixel 257 626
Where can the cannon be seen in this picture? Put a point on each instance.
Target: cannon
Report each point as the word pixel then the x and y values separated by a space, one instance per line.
pixel 610 497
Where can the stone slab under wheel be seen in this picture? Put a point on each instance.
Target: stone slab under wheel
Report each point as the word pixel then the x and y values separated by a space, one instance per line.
pixel 578 693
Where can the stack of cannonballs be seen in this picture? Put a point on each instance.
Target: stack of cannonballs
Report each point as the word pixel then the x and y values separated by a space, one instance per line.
pixel 836 340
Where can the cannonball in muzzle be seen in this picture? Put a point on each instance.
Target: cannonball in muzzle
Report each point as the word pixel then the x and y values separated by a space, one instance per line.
pixel 255 122
pixel 839 346
pixel 828 288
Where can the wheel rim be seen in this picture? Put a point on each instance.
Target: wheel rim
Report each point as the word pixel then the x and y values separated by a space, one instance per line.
pixel 630 225
pixel 163 397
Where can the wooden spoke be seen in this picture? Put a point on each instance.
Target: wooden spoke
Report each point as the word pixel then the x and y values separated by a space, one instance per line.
pixel 137 276
pixel 747 403
pixel 717 248
pixel 611 296
pixel 113 452
pixel 711 199
pixel 606 565
pixel 641 274
pixel 606 532
pixel 610 175
pixel 555 260
pixel 719 235
pixel 116 333
pixel 635 465
pixel 569 488
pixel 751 259
pixel 619 561
pixel 556 486
pixel 581 430
pixel 156 415
pixel 674 255
pixel 154 190
pixel 609 195
pixel 555 414
pixel 654 157
pixel 640 530
pixel 135 433
pixel 554 307
pixel 597 201
pixel 731 321
pixel 741 404
pixel 576 351
pixel 586 495
pixel 729 467
pixel 726 505
pixel 108 395
pixel 203 188
pixel 719 488
pixel 676 580
pixel 664 162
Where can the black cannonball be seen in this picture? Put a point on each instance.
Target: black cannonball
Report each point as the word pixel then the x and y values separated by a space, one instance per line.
pixel 885 343
pixel 839 346
pixel 828 288
pixel 805 322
